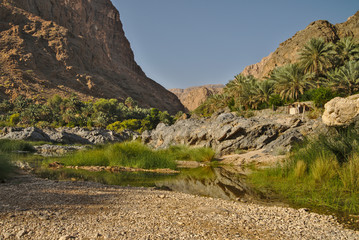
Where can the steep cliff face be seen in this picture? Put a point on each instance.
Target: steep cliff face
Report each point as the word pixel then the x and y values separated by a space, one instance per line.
pixel 192 97
pixel 77 46
pixel 287 52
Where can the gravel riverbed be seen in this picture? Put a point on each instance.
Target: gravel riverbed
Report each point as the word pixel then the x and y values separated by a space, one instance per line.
pixel 33 208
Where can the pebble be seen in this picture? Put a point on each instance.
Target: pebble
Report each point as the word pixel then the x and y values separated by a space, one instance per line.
pixel 21 233
pixel 85 210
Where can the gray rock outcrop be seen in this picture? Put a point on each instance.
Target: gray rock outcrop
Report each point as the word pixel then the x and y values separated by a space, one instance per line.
pixel 64 135
pixel 226 133
pixel 341 111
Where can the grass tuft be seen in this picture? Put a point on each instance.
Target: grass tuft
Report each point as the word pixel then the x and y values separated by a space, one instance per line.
pixel 324 168
pixel 135 154
pixel 349 174
pixel 128 154
pixel 198 154
pixel 300 169
pixel 8 146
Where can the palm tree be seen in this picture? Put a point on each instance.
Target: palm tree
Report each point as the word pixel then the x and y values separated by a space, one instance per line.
pixel 264 90
pixel 347 50
pixel 234 86
pixel 216 101
pixel 316 56
pixel 346 78
pixel 291 81
pixel 247 96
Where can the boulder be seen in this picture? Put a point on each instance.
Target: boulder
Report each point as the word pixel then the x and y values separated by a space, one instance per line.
pixel 29 134
pixel 341 111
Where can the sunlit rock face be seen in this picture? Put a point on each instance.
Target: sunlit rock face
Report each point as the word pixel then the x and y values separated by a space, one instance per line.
pixel 341 111
pixel 193 97
pixel 62 47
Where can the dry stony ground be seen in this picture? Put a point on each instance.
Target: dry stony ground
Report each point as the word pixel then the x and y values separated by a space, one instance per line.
pixel 32 208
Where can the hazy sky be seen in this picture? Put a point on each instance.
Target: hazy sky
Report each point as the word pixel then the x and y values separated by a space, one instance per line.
pixel 183 43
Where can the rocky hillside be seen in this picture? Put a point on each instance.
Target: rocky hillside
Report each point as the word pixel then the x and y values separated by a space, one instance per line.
pixel 192 97
pixel 287 51
pixel 62 47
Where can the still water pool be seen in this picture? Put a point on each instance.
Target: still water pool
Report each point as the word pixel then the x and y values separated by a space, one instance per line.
pixel 218 182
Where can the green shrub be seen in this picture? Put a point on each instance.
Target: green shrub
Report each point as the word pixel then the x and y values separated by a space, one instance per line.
pixel 130 124
pixel 321 96
pixel 14 119
pixel 275 100
pixel 42 124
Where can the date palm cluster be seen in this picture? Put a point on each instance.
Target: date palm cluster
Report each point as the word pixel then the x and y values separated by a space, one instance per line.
pixel 325 68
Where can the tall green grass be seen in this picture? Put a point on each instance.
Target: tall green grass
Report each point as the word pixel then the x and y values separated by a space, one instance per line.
pixel 322 172
pixel 182 152
pixel 135 154
pixel 127 154
pixel 8 146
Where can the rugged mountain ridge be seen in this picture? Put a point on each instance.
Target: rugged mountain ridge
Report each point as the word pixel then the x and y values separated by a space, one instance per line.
pixel 287 51
pixel 192 97
pixel 61 47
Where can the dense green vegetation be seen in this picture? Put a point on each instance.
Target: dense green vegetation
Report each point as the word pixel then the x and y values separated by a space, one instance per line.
pixel 72 112
pixel 322 172
pixel 135 154
pixel 323 70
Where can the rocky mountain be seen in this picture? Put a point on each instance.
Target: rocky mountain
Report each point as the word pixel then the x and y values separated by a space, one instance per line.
pixel 62 47
pixel 287 51
pixel 192 97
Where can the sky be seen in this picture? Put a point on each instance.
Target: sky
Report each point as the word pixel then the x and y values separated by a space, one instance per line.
pixel 185 43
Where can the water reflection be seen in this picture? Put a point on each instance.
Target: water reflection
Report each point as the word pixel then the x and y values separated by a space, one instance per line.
pixel 226 183
pixel 220 182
